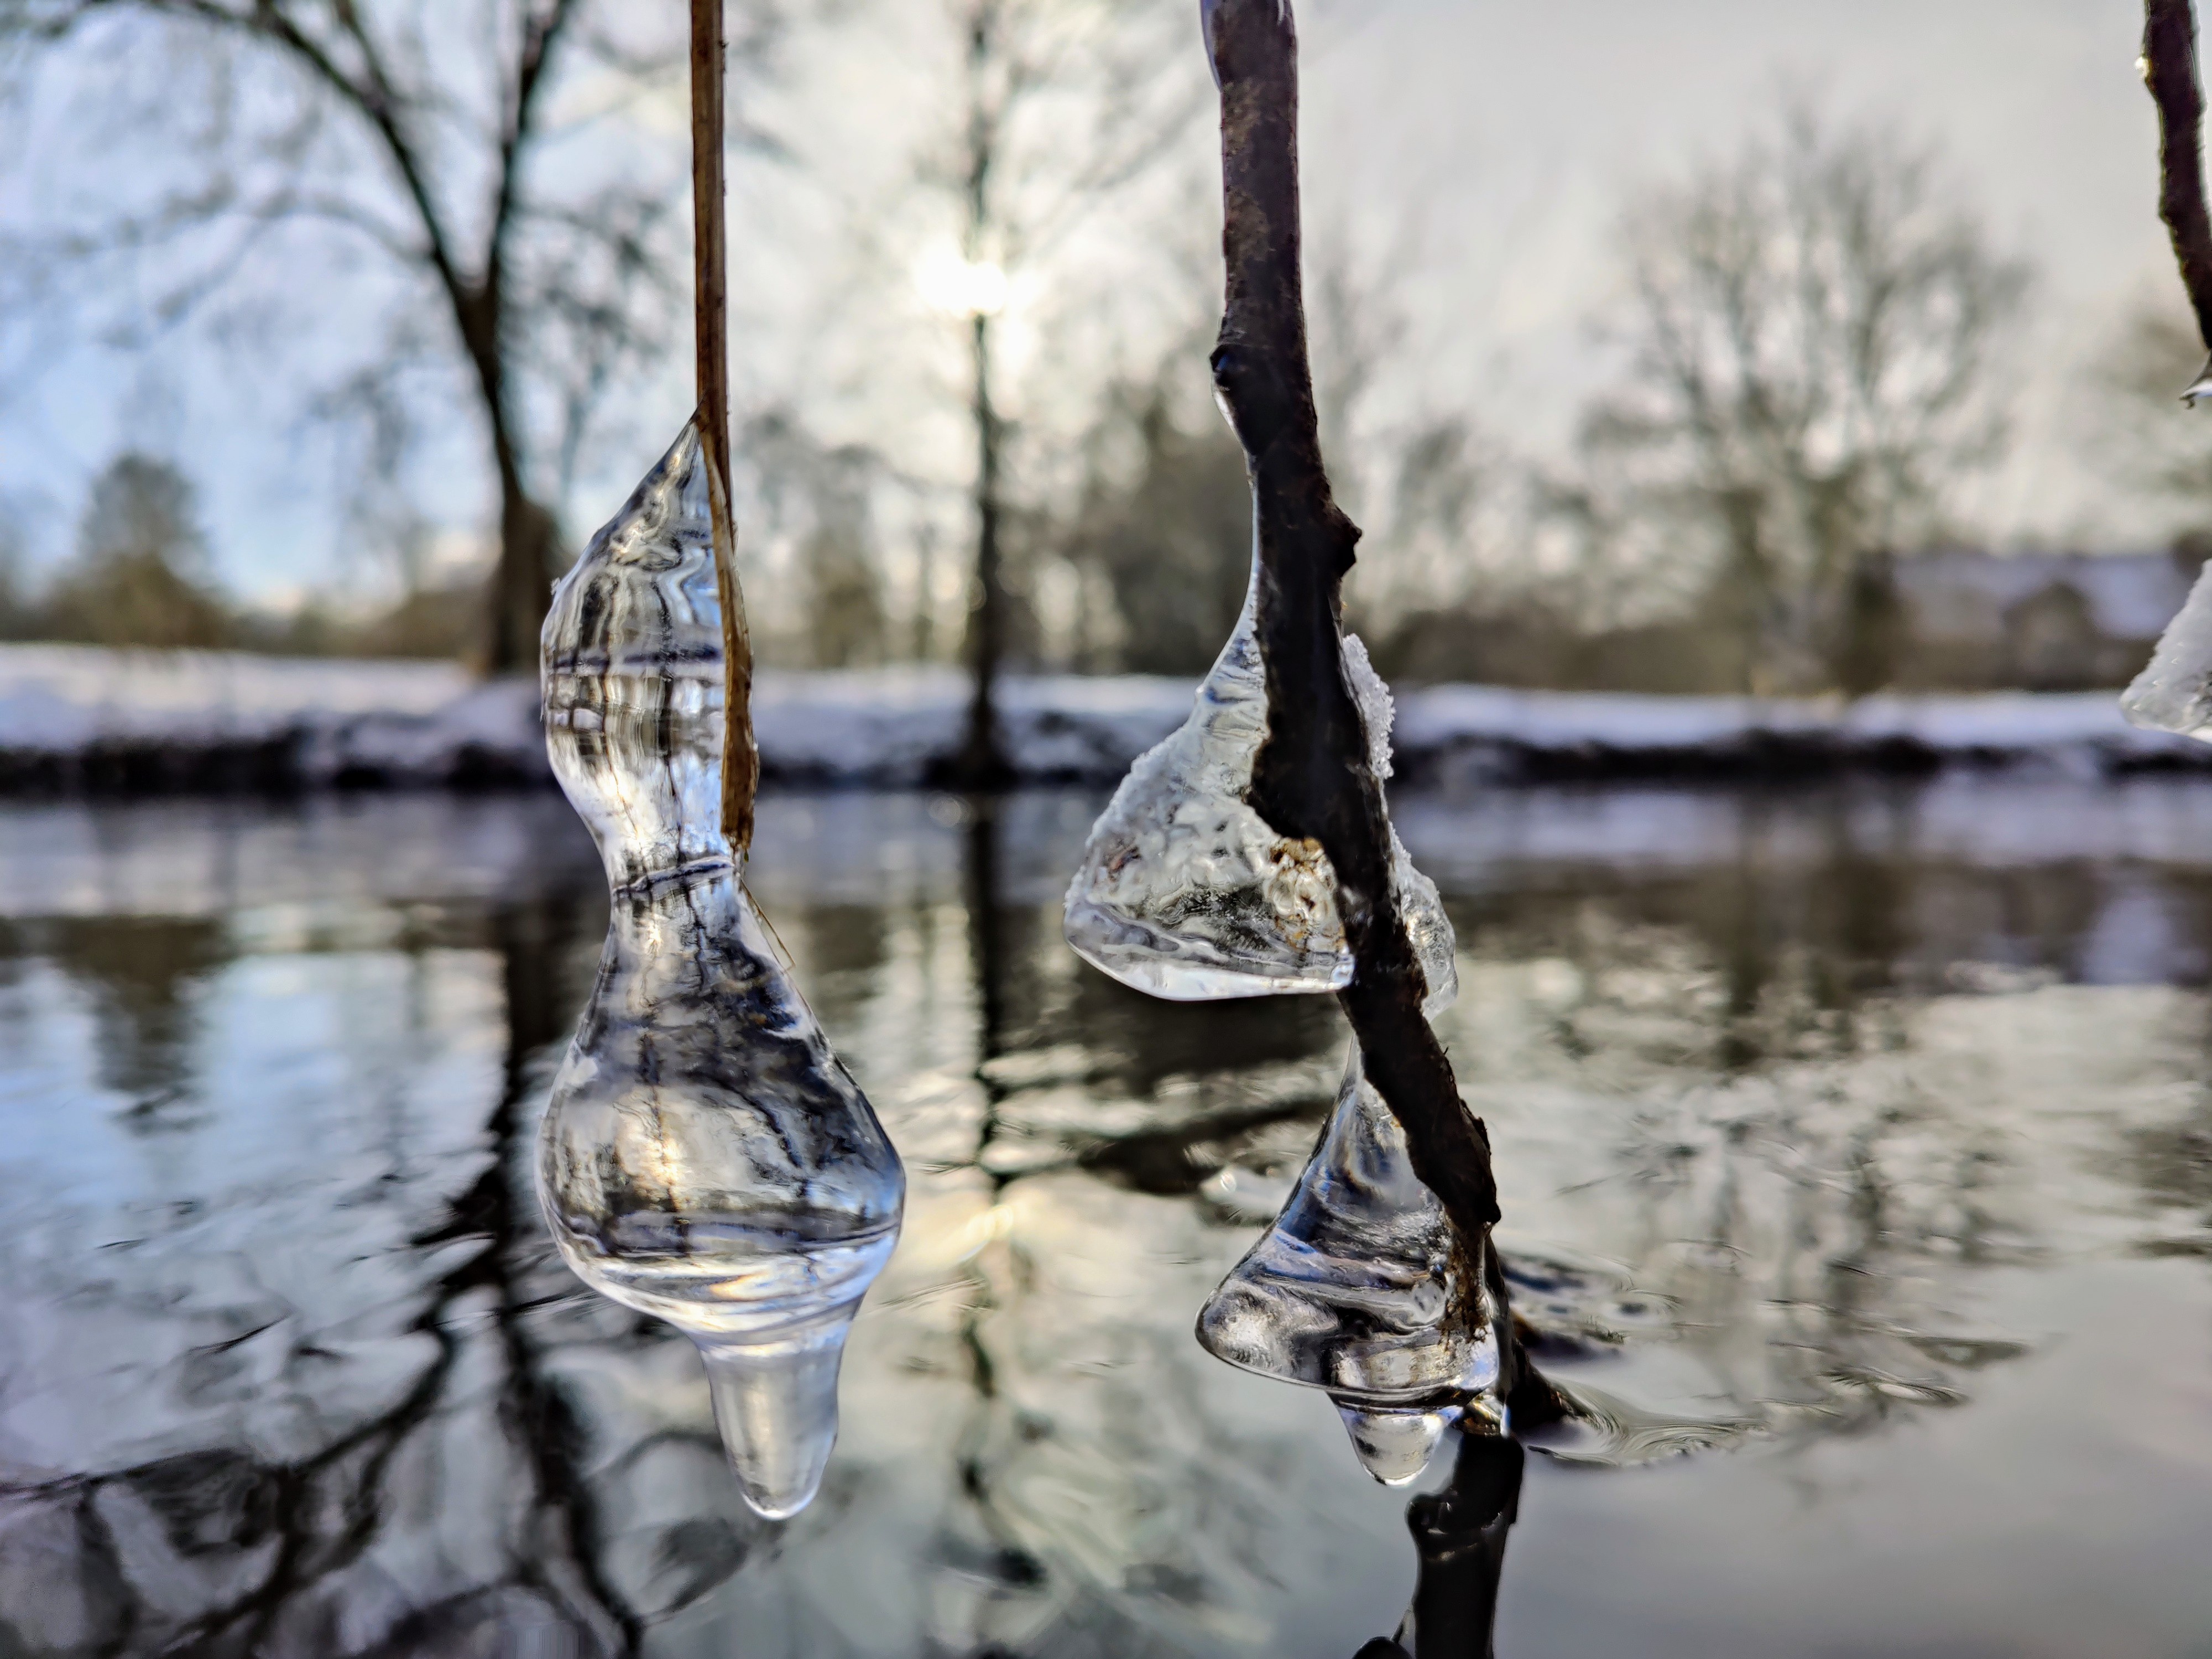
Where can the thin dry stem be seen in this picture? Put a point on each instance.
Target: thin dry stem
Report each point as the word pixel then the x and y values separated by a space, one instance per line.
pixel 710 268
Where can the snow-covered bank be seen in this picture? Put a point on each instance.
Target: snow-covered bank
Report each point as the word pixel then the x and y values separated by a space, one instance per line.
pixel 1450 731
pixel 77 718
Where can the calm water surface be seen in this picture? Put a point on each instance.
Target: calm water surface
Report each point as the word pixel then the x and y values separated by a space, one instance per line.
pixel 1862 1139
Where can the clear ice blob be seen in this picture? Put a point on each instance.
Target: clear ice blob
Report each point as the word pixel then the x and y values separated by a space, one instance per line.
pixel 1357 1289
pixel 2174 692
pixel 1186 893
pixel 705 1158
pixel 1394 1446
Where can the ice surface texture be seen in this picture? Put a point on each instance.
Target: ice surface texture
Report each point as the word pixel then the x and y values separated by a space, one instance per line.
pixel 1357 1289
pixel 2174 692
pixel 705 1158
pixel 1186 893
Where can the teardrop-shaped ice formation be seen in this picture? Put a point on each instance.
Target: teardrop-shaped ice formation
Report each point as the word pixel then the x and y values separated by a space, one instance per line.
pixel 2174 692
pixel 705 1158
pixel 776 1403
pixel 1357 1289
pixel 1395 1446
pixel 1186 893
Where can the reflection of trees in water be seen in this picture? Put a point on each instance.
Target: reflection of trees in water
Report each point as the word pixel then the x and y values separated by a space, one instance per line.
pixel 1786 1170
pixel 1099 1504
pixel 1793 1167
pixel 332 1542
pixel 143 974
pixel 2172 1163
pixel 1799 1166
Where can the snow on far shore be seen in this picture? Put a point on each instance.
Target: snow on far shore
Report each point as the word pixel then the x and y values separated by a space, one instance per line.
pixel 76 717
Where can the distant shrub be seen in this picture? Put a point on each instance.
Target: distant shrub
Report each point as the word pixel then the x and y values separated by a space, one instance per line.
pixel 139 574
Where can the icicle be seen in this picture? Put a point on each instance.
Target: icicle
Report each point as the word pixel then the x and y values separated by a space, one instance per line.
pixel 705 1158
pixel 1186 893
pixel 2174 692
pixel 1356 1289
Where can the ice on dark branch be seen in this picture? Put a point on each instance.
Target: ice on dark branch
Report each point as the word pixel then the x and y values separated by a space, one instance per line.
pixel 705 1156
pixel 1185 892
pixel 1357 1289
pixel 2174 692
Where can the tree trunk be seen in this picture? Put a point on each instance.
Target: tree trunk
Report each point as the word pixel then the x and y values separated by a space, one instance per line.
pixel 519 592
pixel 981 763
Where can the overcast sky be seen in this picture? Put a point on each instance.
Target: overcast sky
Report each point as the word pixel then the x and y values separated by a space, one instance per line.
pixel 1539 118
pixel 1499 138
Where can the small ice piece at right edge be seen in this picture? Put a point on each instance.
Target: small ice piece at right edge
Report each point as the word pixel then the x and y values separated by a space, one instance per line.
pixel 2174 693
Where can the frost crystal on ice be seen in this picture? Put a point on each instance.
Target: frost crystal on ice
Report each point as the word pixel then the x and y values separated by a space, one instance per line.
pixel 1185 892
pixel 705 1156
pixel 1418 902
pixel 1356 1289
pixel 2174 692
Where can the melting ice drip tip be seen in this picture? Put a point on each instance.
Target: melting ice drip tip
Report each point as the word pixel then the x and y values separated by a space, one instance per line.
pixel 705 1156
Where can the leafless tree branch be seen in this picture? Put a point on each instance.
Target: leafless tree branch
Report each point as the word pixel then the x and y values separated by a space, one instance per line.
pixel 2169 67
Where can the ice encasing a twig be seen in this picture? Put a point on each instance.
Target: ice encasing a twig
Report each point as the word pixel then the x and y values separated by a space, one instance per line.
pixel 1358 1289
pixel 2174 692
pixel 705 1156
pixel 1185 892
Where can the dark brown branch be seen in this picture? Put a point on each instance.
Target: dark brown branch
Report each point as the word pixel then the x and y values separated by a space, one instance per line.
pixel 1313 780
pixel 540 36
pixel 2169 67
pixel 710 275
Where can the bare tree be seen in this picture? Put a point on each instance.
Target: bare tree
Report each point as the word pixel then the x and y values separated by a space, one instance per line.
pixel 1062 103
pixel 420 132
pixel 1426 479
pixel 1814 328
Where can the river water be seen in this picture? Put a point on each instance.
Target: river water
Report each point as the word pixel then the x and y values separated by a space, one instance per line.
pixel 1855 1151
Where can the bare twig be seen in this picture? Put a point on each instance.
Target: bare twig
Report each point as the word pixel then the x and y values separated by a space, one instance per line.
pixel 1312 780
pixel 710 270
pixel 2169 70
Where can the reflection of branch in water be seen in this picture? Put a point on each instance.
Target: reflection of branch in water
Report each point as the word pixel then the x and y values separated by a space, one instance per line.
pixel 324 1512
pixel 1460 1534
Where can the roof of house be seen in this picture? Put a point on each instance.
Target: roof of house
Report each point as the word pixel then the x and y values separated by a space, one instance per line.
pixel 1964 592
